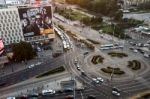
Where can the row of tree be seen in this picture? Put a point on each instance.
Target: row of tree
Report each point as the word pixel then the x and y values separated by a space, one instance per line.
pixel 104 7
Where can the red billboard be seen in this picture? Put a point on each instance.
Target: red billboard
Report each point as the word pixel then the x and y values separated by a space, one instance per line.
pixel 36 20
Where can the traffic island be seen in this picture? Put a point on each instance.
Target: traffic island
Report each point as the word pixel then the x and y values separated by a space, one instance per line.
pixel 93 41
pixel 50 72
pixel 117 54
pixel 97 59
pixel 134 65
pixel 110 70
pixel 81 39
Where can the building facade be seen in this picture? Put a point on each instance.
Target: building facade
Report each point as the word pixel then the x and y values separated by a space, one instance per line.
pixel 10 26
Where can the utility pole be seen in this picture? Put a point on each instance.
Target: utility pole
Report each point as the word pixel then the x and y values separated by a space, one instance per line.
pixel 74 88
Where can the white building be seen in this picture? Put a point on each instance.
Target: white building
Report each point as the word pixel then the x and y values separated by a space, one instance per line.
pixel 10 26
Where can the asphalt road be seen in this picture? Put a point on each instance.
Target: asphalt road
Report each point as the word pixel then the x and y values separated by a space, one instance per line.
pixel 101 91
pixel 31 72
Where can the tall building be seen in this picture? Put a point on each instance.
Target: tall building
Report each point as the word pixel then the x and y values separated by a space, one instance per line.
pixel 10 26
pixel 29 23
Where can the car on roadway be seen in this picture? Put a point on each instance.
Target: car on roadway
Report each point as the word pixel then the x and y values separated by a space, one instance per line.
pixel 146 45
pixel 31 66
pixel 33 96
pixel 80 89
pixel 83 73
pixel 75 61
pixel 95 80
pixel 78 68
pixel 68 90
pixel 133 44
pixel 91 97
pixel 86 53
pixel 116 91
pixel 11 98
pixel 100 79
pixel 131 48
pixel 77 65
pixel 69 97
pixel 38 63
pixel 48 92
pixel 59 91
pixel 135 50
pixel 146 55
pixel 140 50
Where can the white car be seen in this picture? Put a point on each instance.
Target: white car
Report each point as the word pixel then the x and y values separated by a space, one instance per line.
pixel 100 79
pixel 116 93
pixel 146 45
pixel 31 66
pixel 38 63
pixel 10 98
pixel 75 61
pixel 78 68
pixel 135 50
pixel 146 55
pixel 77 65
pixel 48 92
pixel 95 80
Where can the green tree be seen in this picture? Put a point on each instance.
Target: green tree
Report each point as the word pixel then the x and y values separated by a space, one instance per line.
pixel 118 16
pixel 22 51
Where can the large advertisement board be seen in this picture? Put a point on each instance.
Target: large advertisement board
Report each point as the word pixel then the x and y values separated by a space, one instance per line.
pixel 36 20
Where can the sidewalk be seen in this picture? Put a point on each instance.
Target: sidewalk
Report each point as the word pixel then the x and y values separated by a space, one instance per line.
pixel 15 67
pixel 35 85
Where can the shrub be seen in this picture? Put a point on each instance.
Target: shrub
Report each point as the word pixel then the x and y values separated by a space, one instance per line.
pixel 97 59
pixel 134 65
pixel 116 71
pixel 56 70
pixel 117 54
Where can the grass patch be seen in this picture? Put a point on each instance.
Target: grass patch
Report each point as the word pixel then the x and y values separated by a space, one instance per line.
pixel 97 59
pixel 117 54
pixel 109 70
pixel 71 14
pixel 93 41
pixel 54 71
pixel 61 27
pixel 134 65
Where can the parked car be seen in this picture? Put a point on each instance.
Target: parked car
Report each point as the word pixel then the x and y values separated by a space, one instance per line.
pixel 69 97
pixel 11 98
pixel 48 92
pixel 68 90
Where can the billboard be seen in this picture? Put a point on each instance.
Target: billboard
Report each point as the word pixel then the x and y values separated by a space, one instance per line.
pixel 36 20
